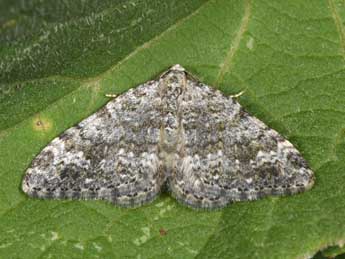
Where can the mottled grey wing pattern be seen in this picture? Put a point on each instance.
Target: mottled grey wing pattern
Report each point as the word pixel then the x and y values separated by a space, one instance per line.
pixel 112 155
pixel 229 155
pixel 175 131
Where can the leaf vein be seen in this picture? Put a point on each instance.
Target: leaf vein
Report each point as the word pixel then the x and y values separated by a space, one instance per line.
pixel 226 65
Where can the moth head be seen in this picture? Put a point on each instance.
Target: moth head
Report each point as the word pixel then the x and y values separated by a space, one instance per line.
pixel 173 81
pixel 177 67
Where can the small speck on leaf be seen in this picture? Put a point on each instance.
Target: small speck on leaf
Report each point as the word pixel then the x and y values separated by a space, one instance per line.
pixel 41 124
pixel 162 232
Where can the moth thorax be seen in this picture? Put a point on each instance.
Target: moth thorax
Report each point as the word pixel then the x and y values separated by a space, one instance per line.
pixel 169 139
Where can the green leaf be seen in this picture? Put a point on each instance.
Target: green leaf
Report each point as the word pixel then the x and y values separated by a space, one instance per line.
pixel 333 251
pixel 58 59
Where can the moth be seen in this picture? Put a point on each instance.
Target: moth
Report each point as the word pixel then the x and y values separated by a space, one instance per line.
pixel 174 133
